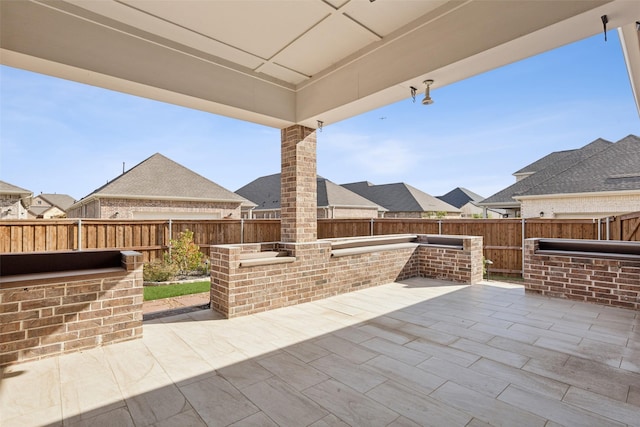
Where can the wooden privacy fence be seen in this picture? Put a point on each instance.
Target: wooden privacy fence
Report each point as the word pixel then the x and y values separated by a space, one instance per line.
pixel 503 238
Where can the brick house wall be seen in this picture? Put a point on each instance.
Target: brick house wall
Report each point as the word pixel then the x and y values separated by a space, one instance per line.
pixel 11 207
pixel 607 281
pixel 595 206
pixel 90 209
pixel 51 314
pixel 324 213
pixel 140 208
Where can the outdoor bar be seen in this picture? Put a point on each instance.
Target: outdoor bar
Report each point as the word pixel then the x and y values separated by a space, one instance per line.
pixel 595 271
pixel 59 302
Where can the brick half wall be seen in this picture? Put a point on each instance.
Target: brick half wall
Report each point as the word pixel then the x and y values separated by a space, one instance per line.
pixel 237 290
pixel 600 280
pixel 464 266
pixel 49 314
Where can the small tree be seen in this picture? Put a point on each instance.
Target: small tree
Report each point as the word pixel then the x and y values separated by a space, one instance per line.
pixel 185 255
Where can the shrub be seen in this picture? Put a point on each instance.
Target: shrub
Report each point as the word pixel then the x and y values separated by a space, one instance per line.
pixel 158 272
pixel 185 255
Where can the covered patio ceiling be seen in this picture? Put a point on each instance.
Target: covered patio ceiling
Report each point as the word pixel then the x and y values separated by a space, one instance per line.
pixel 285 62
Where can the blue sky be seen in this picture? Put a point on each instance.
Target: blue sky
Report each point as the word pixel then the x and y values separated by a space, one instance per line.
pixel 58 136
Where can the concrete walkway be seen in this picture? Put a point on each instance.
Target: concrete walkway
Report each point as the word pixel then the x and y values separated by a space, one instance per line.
pixel 417 352
pixel 167 306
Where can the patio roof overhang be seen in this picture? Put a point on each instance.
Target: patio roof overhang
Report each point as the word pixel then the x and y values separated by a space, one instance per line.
pixel 280 63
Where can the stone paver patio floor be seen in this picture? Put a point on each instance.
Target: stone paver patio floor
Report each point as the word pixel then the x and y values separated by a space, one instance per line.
pixel 417 352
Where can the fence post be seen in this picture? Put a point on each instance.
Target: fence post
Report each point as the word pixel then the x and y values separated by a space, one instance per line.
pixel 599 229
pixel 524 235
pixel 439 226
pixel 371 227
pixel 170 235
pixel 241 230
pixel 79 234
pixel 607 229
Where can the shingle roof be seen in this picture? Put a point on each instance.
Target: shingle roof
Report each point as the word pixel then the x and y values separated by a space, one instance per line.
pixel 62 201
pixel 161 178
pixel 616 168
pixel 6 188
pixel 505 197
pixel 460 196
pixel 265 192
pixel 400 197
pixel 38 210
pixel 544 162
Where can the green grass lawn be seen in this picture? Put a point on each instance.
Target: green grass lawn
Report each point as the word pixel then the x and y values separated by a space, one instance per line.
pixel 168 291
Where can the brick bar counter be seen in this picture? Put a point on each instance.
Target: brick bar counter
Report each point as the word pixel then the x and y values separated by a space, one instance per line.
pixel 251 278
pixel 93 299
pixel 602 272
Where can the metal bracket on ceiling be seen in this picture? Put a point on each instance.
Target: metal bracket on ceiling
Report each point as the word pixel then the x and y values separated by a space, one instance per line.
pixel 605 20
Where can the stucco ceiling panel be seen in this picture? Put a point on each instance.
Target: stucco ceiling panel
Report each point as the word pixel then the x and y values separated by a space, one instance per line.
pixel 261 28
pixel 384 17
pixel 327 43
pixel 167 30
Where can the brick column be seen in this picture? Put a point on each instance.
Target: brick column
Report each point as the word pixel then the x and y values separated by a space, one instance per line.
pixel 298 194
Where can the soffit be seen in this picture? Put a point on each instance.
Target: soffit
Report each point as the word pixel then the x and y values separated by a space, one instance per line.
pixel 279 62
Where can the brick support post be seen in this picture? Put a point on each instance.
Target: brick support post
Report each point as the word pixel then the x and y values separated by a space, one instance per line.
pixel 298 198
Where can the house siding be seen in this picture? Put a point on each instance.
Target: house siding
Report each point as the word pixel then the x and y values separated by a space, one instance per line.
pixel 581 206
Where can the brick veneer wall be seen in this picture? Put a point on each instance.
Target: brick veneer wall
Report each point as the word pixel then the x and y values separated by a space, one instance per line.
pixel 237 290
pixel 460 266
pixel 580 206
pixel 50 314
pixel 298 189
pixel 606 281
pixel 130 208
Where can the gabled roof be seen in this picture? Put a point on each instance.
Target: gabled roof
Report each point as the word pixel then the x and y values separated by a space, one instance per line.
pixel 505 197
pixel 544 162
pixel 265 192
pixel 460 196
pixel 6 188
pixel 616 168
pixel 400 197
pixel 160 178
pixel 38 210
pixel 61 201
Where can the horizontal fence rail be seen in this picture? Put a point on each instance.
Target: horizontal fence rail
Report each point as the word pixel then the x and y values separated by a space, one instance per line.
pixel 503 238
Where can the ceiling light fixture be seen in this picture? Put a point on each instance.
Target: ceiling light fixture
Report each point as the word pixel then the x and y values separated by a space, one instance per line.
pixel 427 98
pixel 320 125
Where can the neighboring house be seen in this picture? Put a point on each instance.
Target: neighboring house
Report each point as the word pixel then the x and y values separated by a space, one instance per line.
pixel 469 204
pixel 159 188
pixel 404 201
pixel 465 200
pixel 334 201
pixel 14 201
pixel 598 180
pixel 538 172
pixel 50 205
